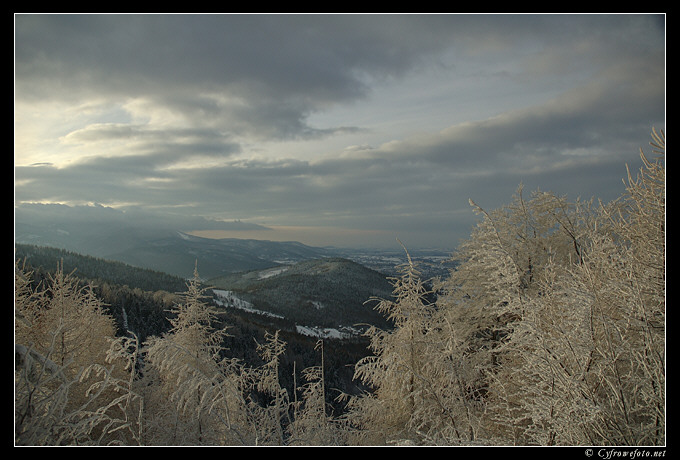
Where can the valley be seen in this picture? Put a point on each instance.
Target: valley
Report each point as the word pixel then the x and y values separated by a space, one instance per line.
pixel 161 245
pixel 138 266
pixel 306 301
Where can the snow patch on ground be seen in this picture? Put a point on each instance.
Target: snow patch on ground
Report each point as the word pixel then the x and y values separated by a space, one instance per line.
pixel 229 299
pixel 271 272
pixel 328 333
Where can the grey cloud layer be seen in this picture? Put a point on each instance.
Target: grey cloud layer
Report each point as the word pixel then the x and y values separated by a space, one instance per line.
pixel 274 70
pixel 230 81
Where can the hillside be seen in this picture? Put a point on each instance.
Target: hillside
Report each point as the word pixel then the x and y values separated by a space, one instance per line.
pixel 98 269
pixel 320 293
pixel 178 253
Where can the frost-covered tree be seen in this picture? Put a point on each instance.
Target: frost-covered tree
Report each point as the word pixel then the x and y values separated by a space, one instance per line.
pixel 269 419
pixel 593 341
pixel 561 311
pixel 550 330
pixel 644 227
pixel 195 396
pixel 69 319
pixel 71 384
pixel 487 295
pixel 398 372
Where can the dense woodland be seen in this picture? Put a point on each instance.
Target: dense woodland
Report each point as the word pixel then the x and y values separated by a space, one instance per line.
pixel 549 331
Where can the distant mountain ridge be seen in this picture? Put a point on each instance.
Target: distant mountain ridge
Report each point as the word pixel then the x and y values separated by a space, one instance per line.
pixel 161 242
pixel 142 241
pixel 160 249
pixel 179 253
pixel 301 288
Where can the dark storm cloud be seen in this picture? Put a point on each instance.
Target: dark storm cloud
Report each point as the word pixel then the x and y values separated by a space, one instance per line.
pixel 273 70
pixel 600 120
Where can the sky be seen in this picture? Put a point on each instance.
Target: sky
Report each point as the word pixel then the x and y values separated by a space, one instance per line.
pixel 339 129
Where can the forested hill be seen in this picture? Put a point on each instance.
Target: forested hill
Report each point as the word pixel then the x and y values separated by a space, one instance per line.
pixel 326 293
pixel 94 268
pixel 138 299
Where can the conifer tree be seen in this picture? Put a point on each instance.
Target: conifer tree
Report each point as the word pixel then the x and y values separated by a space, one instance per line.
pixel 397 370
pixel 71 387
pixel 188 370
pixel 269 421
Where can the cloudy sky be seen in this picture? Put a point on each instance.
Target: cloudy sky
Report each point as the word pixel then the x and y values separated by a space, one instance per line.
pixel 332 129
